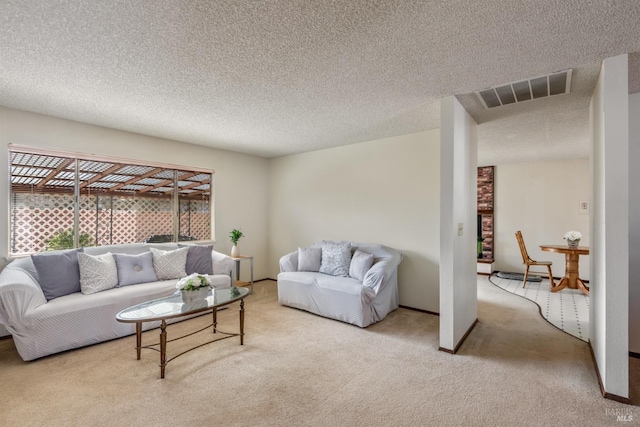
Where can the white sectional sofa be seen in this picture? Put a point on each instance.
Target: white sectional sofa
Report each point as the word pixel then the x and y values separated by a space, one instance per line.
pixel 41 327
pixel 346 297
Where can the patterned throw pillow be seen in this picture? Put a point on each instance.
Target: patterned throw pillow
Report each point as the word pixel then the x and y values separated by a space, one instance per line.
pixel 170 264
pixel 97 273
pixel 309 259
pixel 360 264
pixel 336 258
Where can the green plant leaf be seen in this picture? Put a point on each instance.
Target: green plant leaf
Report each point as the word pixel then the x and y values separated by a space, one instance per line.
pixel 235 235
pixel 63 239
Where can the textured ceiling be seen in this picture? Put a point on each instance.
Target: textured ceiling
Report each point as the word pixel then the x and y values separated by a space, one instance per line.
pixel 271 78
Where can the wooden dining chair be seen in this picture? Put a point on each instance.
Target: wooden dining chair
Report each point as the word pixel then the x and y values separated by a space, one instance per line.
pixel 526 260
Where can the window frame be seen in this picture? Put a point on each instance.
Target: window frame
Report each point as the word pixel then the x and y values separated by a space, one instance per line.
pixel 78 157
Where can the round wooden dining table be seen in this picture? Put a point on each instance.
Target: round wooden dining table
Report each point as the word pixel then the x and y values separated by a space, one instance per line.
pixel 571 277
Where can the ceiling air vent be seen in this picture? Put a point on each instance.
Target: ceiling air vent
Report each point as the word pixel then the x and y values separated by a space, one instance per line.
pixel 540 87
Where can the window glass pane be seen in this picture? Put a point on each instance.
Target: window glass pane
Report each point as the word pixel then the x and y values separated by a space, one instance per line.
pixel 95 205
pixel 194 198
pixel 131 206
pixel 41 205
pixel 153 207
pixel 119 203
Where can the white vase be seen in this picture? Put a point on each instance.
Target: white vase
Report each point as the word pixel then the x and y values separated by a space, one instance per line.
pixel 573 243
pixel 235 252
pixel 197 295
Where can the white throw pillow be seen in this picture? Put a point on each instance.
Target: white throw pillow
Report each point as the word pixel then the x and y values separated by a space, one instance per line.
pixel 97 273
pixel 336 258
pixel 360 264
pixel 170 264
pixel 309 259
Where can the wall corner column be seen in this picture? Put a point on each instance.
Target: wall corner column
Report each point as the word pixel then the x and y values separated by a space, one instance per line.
pixel 458 209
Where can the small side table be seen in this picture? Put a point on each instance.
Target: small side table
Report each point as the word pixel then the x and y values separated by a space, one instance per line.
pixel 238 260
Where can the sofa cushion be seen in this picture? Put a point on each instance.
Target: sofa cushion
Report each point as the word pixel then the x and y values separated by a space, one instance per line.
pixel 199 259
pixel 170 264
pixel 361 262
pixel 220 281
pixel 26 264
pixel 309 259
pixel 336 258
pixel 97 273
pixel 133 269
pixel 58 273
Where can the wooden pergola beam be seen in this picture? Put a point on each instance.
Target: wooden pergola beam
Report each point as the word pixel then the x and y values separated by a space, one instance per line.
pixel 25 188
pixel 101 175
pixel 136 179
pixel 195 184
pixel 54 172
pixel 43 185
pixel 168 181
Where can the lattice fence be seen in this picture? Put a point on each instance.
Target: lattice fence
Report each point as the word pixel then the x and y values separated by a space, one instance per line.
pixel 108 220
pixel 195 219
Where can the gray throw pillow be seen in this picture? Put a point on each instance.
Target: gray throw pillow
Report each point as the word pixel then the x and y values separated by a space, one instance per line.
pixel 336 258
pixel 199 259
pixel 58 273
pixel 133 269
pixel 309 259
pixel 97 272
pixel 170 264
pixel 360 264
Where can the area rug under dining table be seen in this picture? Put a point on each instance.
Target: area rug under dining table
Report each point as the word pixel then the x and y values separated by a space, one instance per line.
pixel 567 310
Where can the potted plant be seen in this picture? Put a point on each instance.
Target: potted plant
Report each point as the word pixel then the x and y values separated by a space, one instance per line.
pixel 573 238
pixel 194 287
pixel 235 235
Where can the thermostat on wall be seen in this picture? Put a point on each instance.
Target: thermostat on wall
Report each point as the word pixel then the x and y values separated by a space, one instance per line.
pixel 584 207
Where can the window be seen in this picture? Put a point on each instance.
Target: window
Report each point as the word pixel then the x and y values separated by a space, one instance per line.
pixel 56 196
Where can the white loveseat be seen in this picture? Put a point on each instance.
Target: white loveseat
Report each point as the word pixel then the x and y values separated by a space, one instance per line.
pixel 40 327
pixel 343 298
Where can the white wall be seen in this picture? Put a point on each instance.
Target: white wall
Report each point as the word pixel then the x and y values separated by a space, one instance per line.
pixel 240 183
pixel 384 191
pixel 609 296
pixel 458 207
pixel 634 223
pixel 542 200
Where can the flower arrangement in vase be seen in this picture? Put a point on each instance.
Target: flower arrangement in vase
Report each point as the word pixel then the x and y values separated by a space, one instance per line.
pixel 194 287
pixel 573 238
pixel 235 235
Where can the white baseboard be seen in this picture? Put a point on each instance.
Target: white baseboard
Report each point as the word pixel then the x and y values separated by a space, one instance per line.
pixel 485 267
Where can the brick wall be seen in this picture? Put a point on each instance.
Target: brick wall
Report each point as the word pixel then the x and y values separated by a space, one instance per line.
pixel 485 208
pixel 485 188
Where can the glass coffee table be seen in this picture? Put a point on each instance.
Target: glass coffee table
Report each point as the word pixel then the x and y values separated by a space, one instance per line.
pixel 172 307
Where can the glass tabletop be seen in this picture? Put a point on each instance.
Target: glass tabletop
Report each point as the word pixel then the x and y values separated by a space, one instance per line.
pixel 172 306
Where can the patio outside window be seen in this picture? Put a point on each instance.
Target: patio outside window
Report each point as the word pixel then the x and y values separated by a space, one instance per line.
pixel 117 202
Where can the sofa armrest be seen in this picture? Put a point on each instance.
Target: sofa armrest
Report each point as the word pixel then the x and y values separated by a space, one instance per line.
pixel 289 262
pixel 19 295
pixel 379 273
pixel 222 264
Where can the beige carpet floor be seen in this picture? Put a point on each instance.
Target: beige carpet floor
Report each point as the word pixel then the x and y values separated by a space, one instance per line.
pixel 298 369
